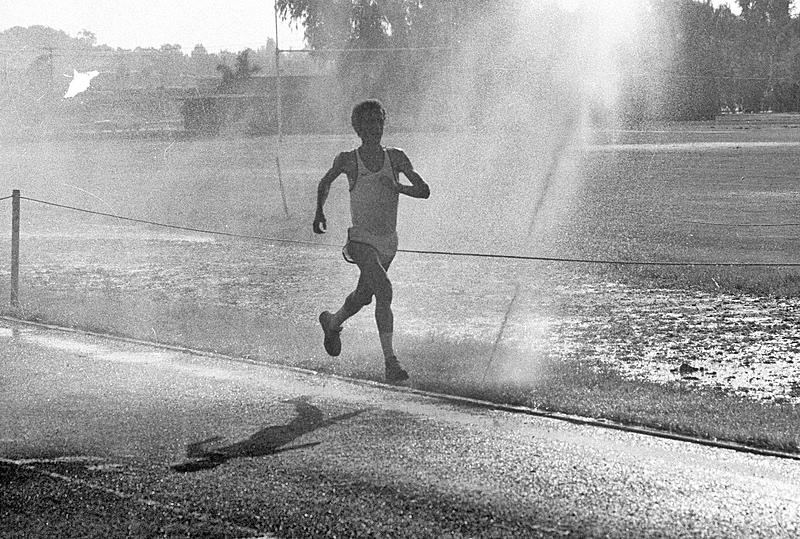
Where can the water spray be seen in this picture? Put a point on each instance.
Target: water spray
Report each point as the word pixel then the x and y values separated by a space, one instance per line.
pixel 109 206
pixel 558 154
pixel 280 183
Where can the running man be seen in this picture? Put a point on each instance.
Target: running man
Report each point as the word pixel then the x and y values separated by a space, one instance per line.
pixel 372 171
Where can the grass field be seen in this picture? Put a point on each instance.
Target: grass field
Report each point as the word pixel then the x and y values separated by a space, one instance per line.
pixel 597 339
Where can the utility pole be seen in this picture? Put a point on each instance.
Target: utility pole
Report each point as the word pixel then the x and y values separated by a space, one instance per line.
pixel 278 108
pixel 15 197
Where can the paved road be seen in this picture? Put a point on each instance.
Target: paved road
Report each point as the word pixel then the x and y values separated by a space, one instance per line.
pixel 102 438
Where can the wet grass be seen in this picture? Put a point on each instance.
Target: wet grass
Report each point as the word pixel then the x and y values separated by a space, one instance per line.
pixel 595 390
pixel 461 366
pixel 772 282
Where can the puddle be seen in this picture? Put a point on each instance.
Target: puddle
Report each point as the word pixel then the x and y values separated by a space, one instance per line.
pixel 135 357
pixel 61 460
pixel 97 351
pixel 748 345
pixel 65 345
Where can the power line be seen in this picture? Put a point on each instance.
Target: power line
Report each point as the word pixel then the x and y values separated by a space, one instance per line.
pixel 357 49
pixel 614 262
pixel 712 223
pixel 165 225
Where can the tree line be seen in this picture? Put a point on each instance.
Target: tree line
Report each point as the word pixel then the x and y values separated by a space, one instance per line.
pixel 748 62
pixel 135 86
pixel 692 61
pixel 40 58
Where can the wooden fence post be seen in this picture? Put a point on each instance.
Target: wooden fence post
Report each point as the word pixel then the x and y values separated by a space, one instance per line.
pixel 15 248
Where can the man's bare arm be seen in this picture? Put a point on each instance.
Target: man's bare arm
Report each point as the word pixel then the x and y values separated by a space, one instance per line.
pixel 418 187
pixel 324 187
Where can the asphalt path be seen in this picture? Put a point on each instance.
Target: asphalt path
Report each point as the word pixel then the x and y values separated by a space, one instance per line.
pixel 106 438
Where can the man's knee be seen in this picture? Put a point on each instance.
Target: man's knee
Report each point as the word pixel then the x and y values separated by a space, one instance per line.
pixel 357 300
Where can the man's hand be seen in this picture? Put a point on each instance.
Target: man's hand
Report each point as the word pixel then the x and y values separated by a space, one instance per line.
pixel 418 188
pixel 320 225
pixel 338 168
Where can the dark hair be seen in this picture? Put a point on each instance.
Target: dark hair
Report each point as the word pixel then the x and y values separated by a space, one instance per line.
pixel 360 110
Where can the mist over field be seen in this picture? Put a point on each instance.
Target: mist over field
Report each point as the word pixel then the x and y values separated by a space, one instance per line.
pixel 510 93
pixel 642 196
pixel 513 94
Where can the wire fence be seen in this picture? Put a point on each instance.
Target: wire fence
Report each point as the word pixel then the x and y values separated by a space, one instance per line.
pixel 506 318
pixel 443 253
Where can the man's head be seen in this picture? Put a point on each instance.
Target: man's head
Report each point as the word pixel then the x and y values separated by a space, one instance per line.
pixel 368 119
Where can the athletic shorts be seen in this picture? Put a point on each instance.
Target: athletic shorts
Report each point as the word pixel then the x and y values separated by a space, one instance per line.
pixel 385 245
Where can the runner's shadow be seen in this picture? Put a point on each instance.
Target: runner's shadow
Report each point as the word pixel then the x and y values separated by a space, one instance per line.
pixel 268 441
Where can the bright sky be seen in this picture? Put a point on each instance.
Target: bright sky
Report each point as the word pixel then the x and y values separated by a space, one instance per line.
pixel 216 24
pixel 617 5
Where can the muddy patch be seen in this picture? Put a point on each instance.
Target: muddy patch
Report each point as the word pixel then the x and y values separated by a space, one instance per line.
pixel 748 344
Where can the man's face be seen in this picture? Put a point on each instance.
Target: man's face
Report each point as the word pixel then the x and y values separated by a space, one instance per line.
pixel 371 128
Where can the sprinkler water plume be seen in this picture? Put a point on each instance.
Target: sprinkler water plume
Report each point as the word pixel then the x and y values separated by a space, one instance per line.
pixel 558 153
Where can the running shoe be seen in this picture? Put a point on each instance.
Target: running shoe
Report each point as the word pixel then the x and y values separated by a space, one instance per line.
pixel 333 341
pixel 394 372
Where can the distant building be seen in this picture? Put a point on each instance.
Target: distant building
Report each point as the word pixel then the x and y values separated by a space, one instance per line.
pixel 249 106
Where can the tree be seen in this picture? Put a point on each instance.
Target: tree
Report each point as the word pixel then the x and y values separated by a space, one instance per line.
pixel 243 69
pixel 691 86
pixel 761 42
pixel 199 51
pixel 383 48
pixel 87 38
pixel 380 23
pixel 203 65
pixel 171 49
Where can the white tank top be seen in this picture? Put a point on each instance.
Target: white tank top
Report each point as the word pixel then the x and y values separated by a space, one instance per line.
pixel 374 198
